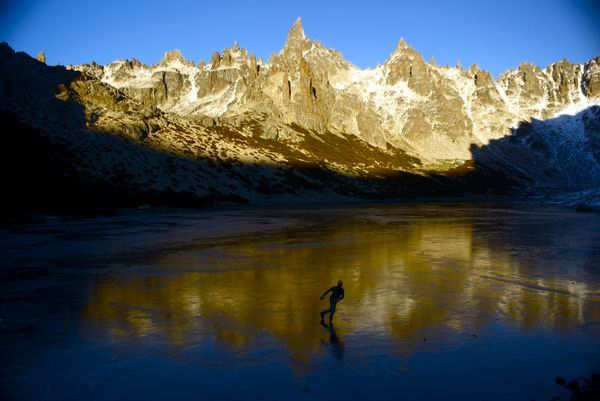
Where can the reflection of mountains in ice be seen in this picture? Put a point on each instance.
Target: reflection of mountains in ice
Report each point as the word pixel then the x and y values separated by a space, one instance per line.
pixel 430 271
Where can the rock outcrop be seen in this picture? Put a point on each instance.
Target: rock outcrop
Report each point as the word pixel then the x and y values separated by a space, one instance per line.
pixel 590 84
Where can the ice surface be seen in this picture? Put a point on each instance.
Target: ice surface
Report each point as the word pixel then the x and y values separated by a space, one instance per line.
pixel 224 304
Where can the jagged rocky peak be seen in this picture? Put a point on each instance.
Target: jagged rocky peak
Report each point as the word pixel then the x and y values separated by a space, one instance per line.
pixel 480 77
pixel 296 39
pixel 404 51
pixel 473 69
pixel 590 82
pixel 135 63
pixel 234 56
pixel 526 82
pixel 41 57
pixel 174 56
pixel 296 33
pixel 406 64
pixel 215 60
pixel 541 93
pixel 565 83
pixel 93 69
pixel 533 78
pixel 253 65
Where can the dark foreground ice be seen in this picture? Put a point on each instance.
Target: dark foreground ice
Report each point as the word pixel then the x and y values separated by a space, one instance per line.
pixel 442 302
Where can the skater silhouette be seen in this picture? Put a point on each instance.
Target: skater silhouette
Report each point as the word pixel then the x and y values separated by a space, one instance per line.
pixel 337 294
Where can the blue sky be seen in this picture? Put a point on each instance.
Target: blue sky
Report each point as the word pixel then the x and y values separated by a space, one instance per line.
pixel 497 35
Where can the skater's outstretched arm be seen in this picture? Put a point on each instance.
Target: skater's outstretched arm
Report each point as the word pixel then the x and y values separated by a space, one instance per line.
pixel 326 292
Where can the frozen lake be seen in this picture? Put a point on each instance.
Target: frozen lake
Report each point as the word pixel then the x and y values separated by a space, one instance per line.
pixel 442 302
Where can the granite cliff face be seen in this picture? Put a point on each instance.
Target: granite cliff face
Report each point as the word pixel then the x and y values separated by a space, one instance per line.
pixel 309 124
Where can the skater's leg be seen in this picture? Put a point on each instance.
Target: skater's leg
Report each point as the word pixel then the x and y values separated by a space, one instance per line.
pixel 331 311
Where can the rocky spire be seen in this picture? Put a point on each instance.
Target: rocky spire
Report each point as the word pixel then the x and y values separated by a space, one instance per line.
pixel 590 80
pixel 296 36
pixel 296 31
pixel 41 57
pixel 172 56
pixel 402 45
pixel 404 51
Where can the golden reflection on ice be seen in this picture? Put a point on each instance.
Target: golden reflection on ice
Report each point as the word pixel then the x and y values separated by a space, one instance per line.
pixel 402 279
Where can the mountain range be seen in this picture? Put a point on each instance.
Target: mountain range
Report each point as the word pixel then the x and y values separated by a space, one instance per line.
pixel 304 126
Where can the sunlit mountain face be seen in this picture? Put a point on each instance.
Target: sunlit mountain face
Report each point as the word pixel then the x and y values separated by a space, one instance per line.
pixel 305 125
pixel 423 273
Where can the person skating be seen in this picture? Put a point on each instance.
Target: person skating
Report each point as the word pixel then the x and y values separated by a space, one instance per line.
pixel 337 294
